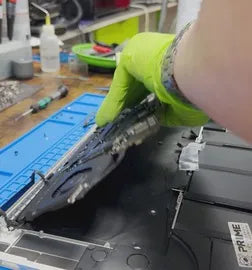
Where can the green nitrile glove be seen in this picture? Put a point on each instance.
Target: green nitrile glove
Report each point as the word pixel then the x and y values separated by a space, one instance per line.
pixel 138 74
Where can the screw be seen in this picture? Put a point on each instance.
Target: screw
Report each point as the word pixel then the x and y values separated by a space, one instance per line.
pixel 153 212
pixel 86 186
pixel 41 234
pixel 136 247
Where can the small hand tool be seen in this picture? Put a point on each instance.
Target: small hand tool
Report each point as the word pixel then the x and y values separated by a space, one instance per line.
pixel 44 102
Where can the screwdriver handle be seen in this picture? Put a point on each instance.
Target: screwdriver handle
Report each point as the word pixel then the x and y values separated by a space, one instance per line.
pixel 41 105
pixel 60 93
pixel 44 102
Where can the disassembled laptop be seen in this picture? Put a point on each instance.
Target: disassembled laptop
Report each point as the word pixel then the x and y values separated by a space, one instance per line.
pixel 203 205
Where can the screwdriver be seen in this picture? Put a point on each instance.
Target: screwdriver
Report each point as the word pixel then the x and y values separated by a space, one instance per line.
pixel 44 102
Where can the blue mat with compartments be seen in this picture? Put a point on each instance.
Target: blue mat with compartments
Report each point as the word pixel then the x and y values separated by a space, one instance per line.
pixel 41 147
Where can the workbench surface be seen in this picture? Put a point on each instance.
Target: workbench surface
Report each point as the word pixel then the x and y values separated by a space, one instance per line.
pixel 11 130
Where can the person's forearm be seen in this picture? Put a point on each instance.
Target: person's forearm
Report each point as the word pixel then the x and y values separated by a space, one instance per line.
pixel 214 62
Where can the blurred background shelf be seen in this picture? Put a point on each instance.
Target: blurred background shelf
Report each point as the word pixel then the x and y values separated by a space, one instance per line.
pixel 121 25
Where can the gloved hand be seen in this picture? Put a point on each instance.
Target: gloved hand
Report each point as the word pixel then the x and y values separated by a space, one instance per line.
pixel 138 74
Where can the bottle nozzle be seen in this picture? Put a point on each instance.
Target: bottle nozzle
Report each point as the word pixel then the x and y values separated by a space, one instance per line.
pixel 48 17
pixel 48 20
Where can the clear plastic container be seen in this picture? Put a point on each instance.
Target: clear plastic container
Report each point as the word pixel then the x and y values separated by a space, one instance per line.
pixel 76 66
pixel 49 50
pixel 22 29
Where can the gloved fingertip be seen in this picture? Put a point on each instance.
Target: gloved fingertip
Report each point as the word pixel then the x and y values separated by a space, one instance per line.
pixel 100 122
pixel 104 117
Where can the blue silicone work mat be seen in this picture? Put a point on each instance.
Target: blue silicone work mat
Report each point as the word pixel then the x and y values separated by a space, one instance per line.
pixel 41 147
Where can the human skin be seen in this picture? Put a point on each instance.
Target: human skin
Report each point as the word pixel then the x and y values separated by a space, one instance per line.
pixel 213 64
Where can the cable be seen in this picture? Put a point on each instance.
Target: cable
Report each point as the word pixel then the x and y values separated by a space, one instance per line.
pixel 78 17
pixel 41 9
pixel 146 14
pixel 170 234
pixel 163 15
pixel 187 248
